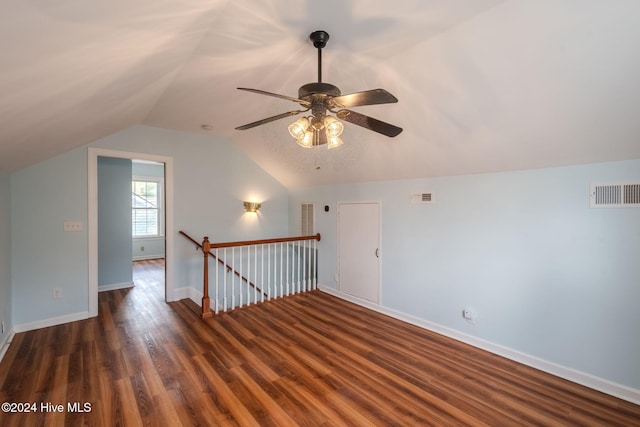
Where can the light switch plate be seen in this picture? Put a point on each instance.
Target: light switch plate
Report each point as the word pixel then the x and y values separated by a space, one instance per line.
pixel 72 226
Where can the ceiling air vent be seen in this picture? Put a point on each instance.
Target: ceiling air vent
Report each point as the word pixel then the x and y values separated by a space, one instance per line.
pixel 615 195
pixel 421 198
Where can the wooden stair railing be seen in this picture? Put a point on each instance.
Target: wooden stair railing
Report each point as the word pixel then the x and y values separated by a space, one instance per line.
pixel 206 248
pixel 264 241
pixel 207 252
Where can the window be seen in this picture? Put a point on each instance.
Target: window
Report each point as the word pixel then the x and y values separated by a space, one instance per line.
pixel 146 206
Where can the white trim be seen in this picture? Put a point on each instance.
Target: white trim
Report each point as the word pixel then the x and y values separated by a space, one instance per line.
pixel 146 257
pixel 53 321
pixel 609 387
pixel 115 286
pixel 148 238
pixel 92 222
pixel 6 342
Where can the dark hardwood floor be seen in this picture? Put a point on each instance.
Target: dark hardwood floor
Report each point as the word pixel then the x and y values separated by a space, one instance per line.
pixel 310 359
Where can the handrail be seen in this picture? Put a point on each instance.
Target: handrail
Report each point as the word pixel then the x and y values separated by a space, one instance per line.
pixel 191 238
pixel 264 241
pixel 227 266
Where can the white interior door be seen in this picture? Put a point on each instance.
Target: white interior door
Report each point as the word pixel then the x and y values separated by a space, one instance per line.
pixel 359 250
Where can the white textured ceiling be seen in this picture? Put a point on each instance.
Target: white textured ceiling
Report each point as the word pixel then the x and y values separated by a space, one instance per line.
pixel 484 85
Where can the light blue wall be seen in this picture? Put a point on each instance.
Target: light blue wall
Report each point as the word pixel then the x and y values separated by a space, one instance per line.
pixel 147 248
pixel 114 221
pixel 5 256
pixel 547 275
pixel 155 170
pixel 43 256
pixel 211 178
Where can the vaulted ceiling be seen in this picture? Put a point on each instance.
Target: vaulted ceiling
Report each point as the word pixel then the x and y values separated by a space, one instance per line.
pixel 483 85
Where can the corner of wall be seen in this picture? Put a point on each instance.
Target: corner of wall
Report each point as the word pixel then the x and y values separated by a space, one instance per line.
pixel 6 318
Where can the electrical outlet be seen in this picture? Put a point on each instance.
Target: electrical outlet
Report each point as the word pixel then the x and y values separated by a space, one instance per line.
pixel 141 248
pixel 468 315
pixel 57 293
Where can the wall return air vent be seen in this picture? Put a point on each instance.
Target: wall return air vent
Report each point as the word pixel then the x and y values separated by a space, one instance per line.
pixel 421 198
pixel 615 195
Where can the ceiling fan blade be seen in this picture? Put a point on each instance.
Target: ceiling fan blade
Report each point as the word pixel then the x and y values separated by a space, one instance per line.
pixel 288 98
pixel 369 123
pixel 367 97
pixel 270 119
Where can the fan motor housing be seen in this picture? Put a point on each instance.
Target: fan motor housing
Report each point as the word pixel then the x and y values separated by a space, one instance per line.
pixel 313 88
pixel 319 38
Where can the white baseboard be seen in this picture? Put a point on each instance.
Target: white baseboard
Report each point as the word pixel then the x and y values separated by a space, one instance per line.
pixel 114 286
pixel 4 344
pixel 147 257
pixel 609 387
pixel 24 327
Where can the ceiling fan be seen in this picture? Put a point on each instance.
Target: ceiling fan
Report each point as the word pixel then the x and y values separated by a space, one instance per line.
pixel 324 98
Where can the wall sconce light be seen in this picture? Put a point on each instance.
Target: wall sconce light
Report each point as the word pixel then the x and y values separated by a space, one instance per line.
pixel 252 206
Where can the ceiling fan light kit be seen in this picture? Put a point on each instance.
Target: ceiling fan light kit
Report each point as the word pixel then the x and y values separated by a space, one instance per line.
pixel 298 129
pixel 321 127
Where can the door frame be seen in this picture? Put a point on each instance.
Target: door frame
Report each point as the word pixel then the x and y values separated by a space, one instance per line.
pixel 92 221
pixel 379 284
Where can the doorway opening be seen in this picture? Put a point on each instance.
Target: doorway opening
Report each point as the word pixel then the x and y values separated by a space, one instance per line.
pixel 93 221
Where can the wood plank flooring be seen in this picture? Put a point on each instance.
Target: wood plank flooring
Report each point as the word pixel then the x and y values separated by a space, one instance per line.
pixel 310 359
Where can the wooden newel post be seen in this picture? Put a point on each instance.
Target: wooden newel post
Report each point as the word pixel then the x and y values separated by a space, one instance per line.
pixel 206 306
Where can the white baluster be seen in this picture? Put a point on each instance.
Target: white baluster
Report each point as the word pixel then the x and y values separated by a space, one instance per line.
pixel 224 290
pixel 315 264
pixel 281 269
pixel 217 298
pixel 262 274
pixel 249 274
pixel 255 275
pixel 269 264
pixel 300 276
pixel 310 264
pixel 294 260
pixel 240 281
pixel 233 278
pixel 304 266
pixel 300 265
